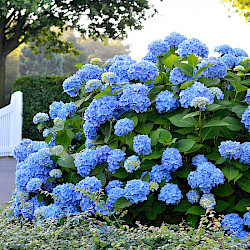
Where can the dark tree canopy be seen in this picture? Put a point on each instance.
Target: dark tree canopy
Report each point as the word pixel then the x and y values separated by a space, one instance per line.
pixel 23 21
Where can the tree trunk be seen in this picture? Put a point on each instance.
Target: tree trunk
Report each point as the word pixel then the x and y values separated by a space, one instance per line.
pixel 2 81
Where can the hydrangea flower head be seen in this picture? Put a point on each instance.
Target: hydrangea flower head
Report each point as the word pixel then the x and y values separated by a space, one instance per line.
pixel 61 110
pixel 55 173
pixel 116 58
pixel 246 118
pixel 110 78
pixel 232 223
pixel 170 193
pixel 120 68
pixel 199 102
pixel 207 201
pixel 248 96
pixel 132 164
pixel 165 102
pixel 136 191
pixel 114 194
pixel 89 72
pixel 142 145
pixel 171 159
pixel 224 49
pixel 102 153
pixel 193 196
pixel 217 92
pixel 72 85
pixel 40 117
pixel 244 153
pixel 115 157
pixel 229 149
pixel 192 46
pixel 159 173
pixel 46 132
pixel 158 47
pixel 90 131
pixel 123 127
pixel 93 85
pixel 96 61
pixel 143 71
pixel 246 219
pixel 153 186
pixel 178 77
pixel 150 57
pixel 174 39
pixel 198 159
pixel 113 184
pixel 239 52
pixel 34 184
pixel 230 60
pixel 52 211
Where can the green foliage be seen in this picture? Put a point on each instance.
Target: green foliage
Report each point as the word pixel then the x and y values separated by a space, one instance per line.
pixel 241 6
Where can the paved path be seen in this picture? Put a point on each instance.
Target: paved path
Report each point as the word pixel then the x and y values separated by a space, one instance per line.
pixel 7 178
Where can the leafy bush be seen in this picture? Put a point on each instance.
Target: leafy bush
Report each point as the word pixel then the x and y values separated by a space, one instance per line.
pixel 187 132
pixel 38 93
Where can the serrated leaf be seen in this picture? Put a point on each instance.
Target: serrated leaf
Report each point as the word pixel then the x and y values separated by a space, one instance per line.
pixel 122 202
pixel 196 210
pixel 134 119
pixel 121 173
pixel 183 206
pixel 178 122
pixel 184 145
pixel 221 205
pixel 216 123
pixel 185 68
pixel 66 161
pixel 57 150
pixel 193 114
pixel 79 65
pixel 230 172
pixel 239 110
pixel 192 60
pixel 242 205
pixel 151 214
pixel 144 129
pixel 187 84
pixel 244 184
pixel 224 190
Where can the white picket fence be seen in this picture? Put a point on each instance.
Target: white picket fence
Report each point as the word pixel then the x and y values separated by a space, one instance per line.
pixel 11 124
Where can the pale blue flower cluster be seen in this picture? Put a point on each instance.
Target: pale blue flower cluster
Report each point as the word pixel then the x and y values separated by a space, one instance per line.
pixel 217 92
pixel 132 163
pixel 240 53
pixel 93 85
pixel 244 153
pixel 150 57
pixel 158 47
pixel 198 159
pixel 224 49
pixel 117 58
pixel 232 223
pixel 110 78
pixel 205 177
pixel 248 96
pixel 114 194
pixel 199 102
pixel 55 173
pixel 246 219
pixel 170 193
pixel 196 90
pixel 123 127
pixel 142 145
pixel 174 39
pixel 178 77
pixel 135 97
pixel 192 46
pixel 120 68
pixel 136 191
pixel 89 72
pixel 143 71
pixel 72 85
pixel 52 211
pixel 115 157
pixel 34 184
pixel 171 159
pixel 46 132
pixel 229 149
pixel 61 110
pixel 113 184
pixel 193 196
pixel 102 153
pixel 159 173
pixel 208 201
pixel 165 102
pixel 230 60
pixel 40 117
pixel 246 118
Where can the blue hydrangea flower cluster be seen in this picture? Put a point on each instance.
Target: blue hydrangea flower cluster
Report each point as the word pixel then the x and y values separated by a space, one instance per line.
pixel 178 77
pixel 72 85
pixel 113 184
pixel 224 49
pixel 40 117
pixel 248 96
pixel 170 193
pixel 61 110
pixel 115 157
pixel 198 159
pixel 192 46
pixel 196 90
pixel 55 173
pixel 135 97
pixel 117 58
pixel 193 196
pixel 158 47
pixel 143 71
pixel 246 219
pixel 150 57
pixel 52 211
pixel 171 159
pixel 246 118
pixel 165 102
pixel 230 60
pixel 102 153
pixel 46 132
pixel 89 72
pixel 136 191
pixel 217 92
pixel 34 184
pixel 123 127
pixel 159 173
pixel 142 145
pixel 205 177
pixel 240 53
pixel 174 39
pixel 208 201
pixel 229 149
pixel 218 69
pixel 199 102
pixel 232 223
pixel 93 85
pixel 132 163
pixel 110 78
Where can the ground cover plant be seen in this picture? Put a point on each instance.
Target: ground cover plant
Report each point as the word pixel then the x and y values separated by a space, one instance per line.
pixel 166 139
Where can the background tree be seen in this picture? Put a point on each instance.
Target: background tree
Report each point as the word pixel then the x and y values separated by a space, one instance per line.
pixel 242 6
pixel 23 21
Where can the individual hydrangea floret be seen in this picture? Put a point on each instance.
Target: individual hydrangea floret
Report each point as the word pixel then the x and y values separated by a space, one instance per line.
pixel 229 60
pixel 72 85
pixel 46 132
pixel 196 90
pixel 205 177
pixel 192 46
pixel 229 149
pixel 246 118
pixel 246 219
pixel 89 72
pixel 232 223
pixel 208 201
pixel 153 186
pixel 171 159
pixel 115 157
pixel 102 153
pixel 142 145
pixel 143 71
pixel 150 57
pixel 113 184
pixel 132 164
pixel 239 52
pixel 224 49
pixel 136 191
pixel 218 69
pixel 123 127
pixel 158 47
pixel 93 85
pixel 178 77
pixel 244 153
pixel 193 196
pixel 135 97
pixel 40 117
pixel 174 39
pixel 170 194
pixel 34 184
pixel 198 159
pixel 159 173
pixel 199 102
pixel 55 173
pixel 85 162
pixel 217 92
pixel 165 102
